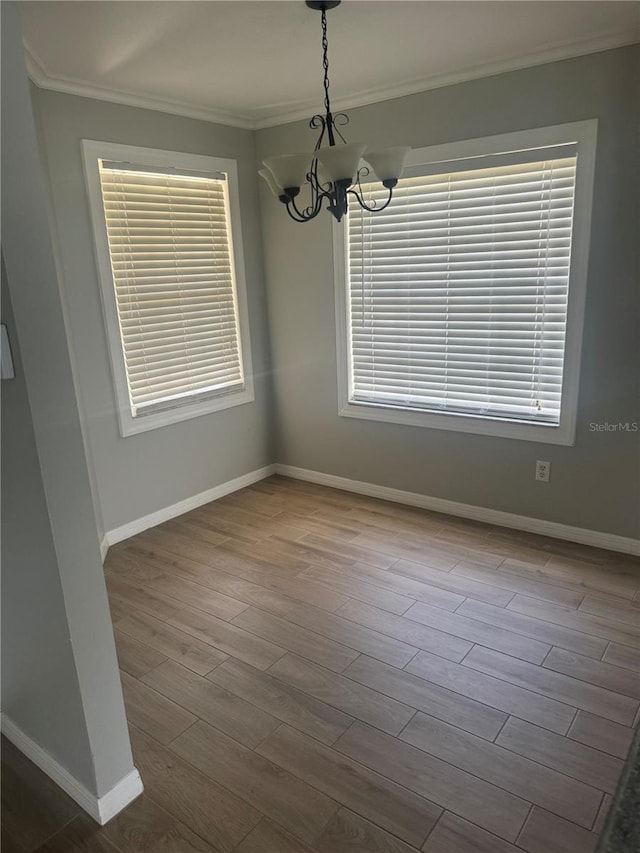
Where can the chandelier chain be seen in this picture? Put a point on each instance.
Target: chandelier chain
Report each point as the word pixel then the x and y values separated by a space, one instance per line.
pixel 325 60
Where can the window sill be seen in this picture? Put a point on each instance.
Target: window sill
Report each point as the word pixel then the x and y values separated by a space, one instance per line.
pixel 539 433
pixel 131 426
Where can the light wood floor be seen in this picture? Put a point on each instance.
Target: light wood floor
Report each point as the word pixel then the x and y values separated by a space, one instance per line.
pixel 311 671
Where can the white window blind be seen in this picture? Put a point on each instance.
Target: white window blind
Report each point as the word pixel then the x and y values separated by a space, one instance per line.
pixel 171 255
pixel 458 290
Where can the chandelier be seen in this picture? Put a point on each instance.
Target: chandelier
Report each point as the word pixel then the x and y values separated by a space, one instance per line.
pixel 333 172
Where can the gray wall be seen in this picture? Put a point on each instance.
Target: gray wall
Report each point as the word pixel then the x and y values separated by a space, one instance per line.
pixel 595 484
pixel 143 473
pixel 37 657
pixel 40 630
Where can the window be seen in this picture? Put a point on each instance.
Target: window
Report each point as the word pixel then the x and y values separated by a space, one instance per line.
pixel 168 245
pixel 462 302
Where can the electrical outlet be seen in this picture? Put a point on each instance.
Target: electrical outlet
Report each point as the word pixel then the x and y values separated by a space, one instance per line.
pixel 543 471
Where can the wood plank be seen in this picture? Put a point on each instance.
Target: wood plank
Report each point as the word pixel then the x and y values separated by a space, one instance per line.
pixel 551 546
pixel 415 589
pixel 617 610
pixel 230 584
pixel 548 833
pixel 601 820
pixel 601 734
pixel 134 596
pixel 479 632
pixel 350 551
pixel 465 713
pixel 622 656
pixel 82 835
pixel 365 792
pixel 8 844
pixel 590 766
pixel 554 685
pixel 174 644
pixel 144 827
pixel 376 518
pixel 300 589
pixel 284 798
pixel 351 587
pixel 189 548
pixel 486 544
pixel 555 635
pixel 216 528
pixel 288 558
pixel 136 658
pixel 198 596
pixel 211 811
pixel 622 583
pixel 514 583
pixel 406 630
pixel 224 710
pixel 454 581
pixel 585 580
pixel 228 638
pixel 303 642
pixel 455 835
pixel 282 701
pixel 261 528
pixel 268 837
pixel 311 523
pixel 365 640
pixel 153 713
pixel 494 692
pixel 429 550
pixel 604 674
pixel 33 806
pixel 628 635
pixel 348 832
pixel 517 774
pixel 481 802
pixel 343 693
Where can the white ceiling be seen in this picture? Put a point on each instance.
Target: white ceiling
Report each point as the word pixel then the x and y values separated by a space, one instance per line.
pixel 256 63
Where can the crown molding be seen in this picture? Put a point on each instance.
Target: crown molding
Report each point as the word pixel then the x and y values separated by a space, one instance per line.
pixel 43 80
pixel 425 84
pixel 551 53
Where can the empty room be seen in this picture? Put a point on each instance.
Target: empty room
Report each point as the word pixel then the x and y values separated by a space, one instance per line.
pixel 320 426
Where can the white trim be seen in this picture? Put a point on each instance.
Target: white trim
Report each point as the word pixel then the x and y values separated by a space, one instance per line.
pixel 92 152
pixel 101 809
pixel 44 80
pixel 104 547
pixel 169 512
pixel 596 538
pixel 584 134
pixel 247 120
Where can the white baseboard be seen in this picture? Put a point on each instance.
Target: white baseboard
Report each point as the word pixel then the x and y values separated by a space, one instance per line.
pixel 596 538
pixel 101 809
pixel 104 547
pixel 169 512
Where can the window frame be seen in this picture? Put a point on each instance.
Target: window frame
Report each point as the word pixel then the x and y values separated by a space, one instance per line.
pixel 583 134
pixel 92 152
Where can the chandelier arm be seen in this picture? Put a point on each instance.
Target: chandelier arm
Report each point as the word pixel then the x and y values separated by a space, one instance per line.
pixel 339 119
pixel 374 208
pixel 308 213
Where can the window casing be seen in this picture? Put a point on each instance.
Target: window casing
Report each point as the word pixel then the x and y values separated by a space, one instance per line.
pixel 169 251
pixel 460 307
